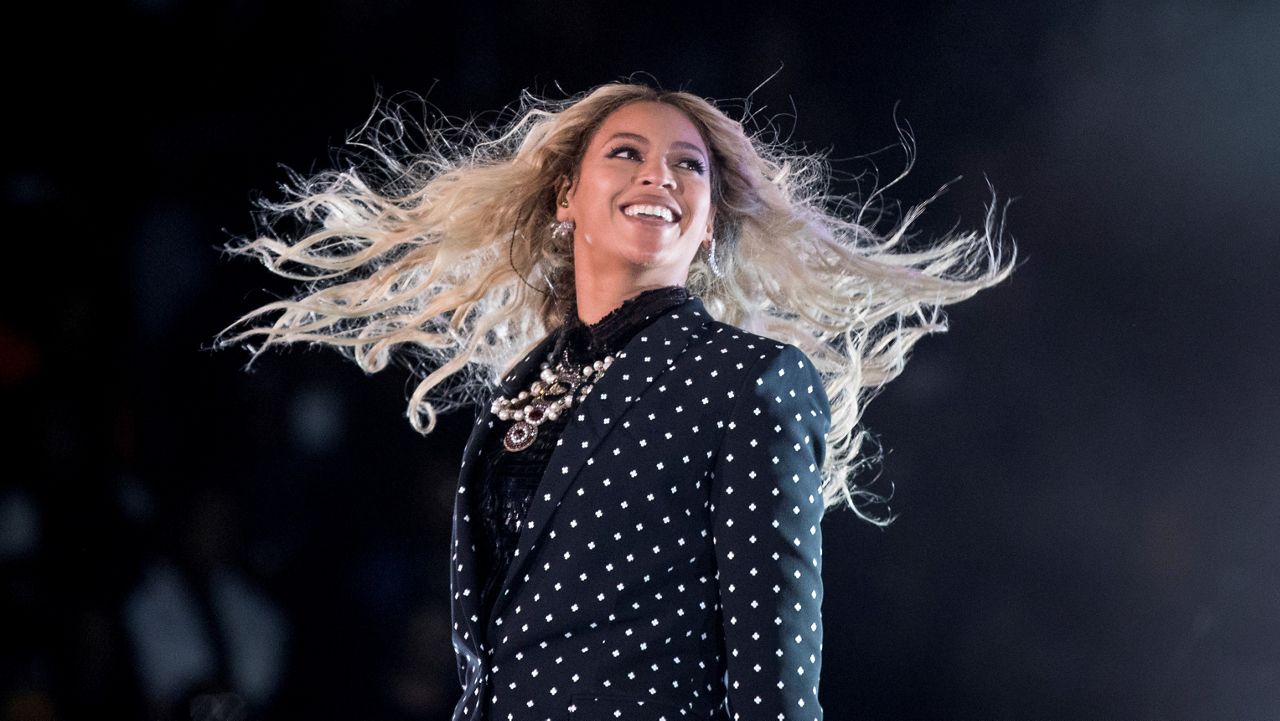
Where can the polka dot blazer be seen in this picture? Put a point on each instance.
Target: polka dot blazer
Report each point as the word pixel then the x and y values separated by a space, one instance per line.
pixel 670 566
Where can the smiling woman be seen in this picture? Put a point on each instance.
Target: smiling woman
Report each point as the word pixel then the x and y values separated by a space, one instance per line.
pixel 673 330
pixel 640 204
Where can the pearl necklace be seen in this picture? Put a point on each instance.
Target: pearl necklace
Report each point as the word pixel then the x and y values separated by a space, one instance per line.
pixel 549 396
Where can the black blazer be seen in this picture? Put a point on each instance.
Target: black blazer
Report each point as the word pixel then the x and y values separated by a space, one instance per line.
pixel 670 566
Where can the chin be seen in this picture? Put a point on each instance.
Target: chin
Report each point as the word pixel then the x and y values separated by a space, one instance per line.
pixel 653 253
pixel 649 260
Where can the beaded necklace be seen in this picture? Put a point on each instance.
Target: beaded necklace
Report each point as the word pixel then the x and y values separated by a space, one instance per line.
pixel 548 397
pixel 564 383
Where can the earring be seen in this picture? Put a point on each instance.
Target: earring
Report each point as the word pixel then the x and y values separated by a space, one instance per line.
pixel 711 259
pixel 564 202
pixel 563 230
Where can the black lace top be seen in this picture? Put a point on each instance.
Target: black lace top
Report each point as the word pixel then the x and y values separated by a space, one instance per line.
pixel 510 479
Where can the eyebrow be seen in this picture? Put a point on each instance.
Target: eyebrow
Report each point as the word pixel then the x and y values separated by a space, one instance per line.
pixel 642 139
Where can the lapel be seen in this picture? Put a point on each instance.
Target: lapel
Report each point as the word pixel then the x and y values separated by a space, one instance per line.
pixel 637 367
pixel 466 586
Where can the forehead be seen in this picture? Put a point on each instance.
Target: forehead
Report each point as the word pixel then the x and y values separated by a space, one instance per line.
pixel 656 122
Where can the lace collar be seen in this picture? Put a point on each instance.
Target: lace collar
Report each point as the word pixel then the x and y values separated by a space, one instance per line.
pixel 609 334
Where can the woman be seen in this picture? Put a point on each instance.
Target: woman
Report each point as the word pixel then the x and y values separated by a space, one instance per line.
pixel 637 528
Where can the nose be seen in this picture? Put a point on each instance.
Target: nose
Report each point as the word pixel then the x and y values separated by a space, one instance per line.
pixel 655 172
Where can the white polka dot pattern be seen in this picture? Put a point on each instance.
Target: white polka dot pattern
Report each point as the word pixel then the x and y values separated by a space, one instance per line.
pixel 767 514
pixel 670 563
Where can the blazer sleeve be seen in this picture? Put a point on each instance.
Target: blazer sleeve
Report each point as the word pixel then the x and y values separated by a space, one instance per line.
pixel 766 517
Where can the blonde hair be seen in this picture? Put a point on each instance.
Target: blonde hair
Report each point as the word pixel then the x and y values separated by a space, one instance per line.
pixel 445 250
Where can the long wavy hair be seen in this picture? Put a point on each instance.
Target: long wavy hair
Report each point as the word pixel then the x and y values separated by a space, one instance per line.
pixel 437 252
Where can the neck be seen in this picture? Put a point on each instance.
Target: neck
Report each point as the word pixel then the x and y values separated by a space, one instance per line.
pixel 600 293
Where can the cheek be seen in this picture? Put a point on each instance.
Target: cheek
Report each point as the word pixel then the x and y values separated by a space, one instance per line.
pixel 704 203
pixel 599 190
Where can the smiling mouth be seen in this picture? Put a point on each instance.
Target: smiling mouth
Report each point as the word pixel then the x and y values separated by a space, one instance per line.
pixel 643 210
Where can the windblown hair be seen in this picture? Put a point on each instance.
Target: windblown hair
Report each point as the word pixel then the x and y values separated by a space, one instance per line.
pixel 445 251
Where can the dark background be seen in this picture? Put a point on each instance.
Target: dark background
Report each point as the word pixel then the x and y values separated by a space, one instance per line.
pixel 1087 495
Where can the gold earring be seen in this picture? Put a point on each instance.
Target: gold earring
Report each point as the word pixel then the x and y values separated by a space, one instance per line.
pixel 564 202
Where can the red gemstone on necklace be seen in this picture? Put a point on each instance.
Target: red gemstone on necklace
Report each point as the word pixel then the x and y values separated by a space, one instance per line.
pixel 519 436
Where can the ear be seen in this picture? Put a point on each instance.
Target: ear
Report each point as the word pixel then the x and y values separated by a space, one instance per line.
pixel 711 226
pixel 564 199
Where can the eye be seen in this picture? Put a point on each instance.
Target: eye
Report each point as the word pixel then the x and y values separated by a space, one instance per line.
pixel 625 152
pixel 693 164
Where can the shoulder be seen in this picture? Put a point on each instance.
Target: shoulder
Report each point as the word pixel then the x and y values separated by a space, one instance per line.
pixel 727 358
pixel 753 354
pixel 778 406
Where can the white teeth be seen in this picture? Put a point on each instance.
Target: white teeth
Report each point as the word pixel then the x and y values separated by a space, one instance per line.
pixel 656 211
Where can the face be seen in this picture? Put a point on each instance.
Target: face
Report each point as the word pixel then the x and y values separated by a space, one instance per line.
pixel 641 202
